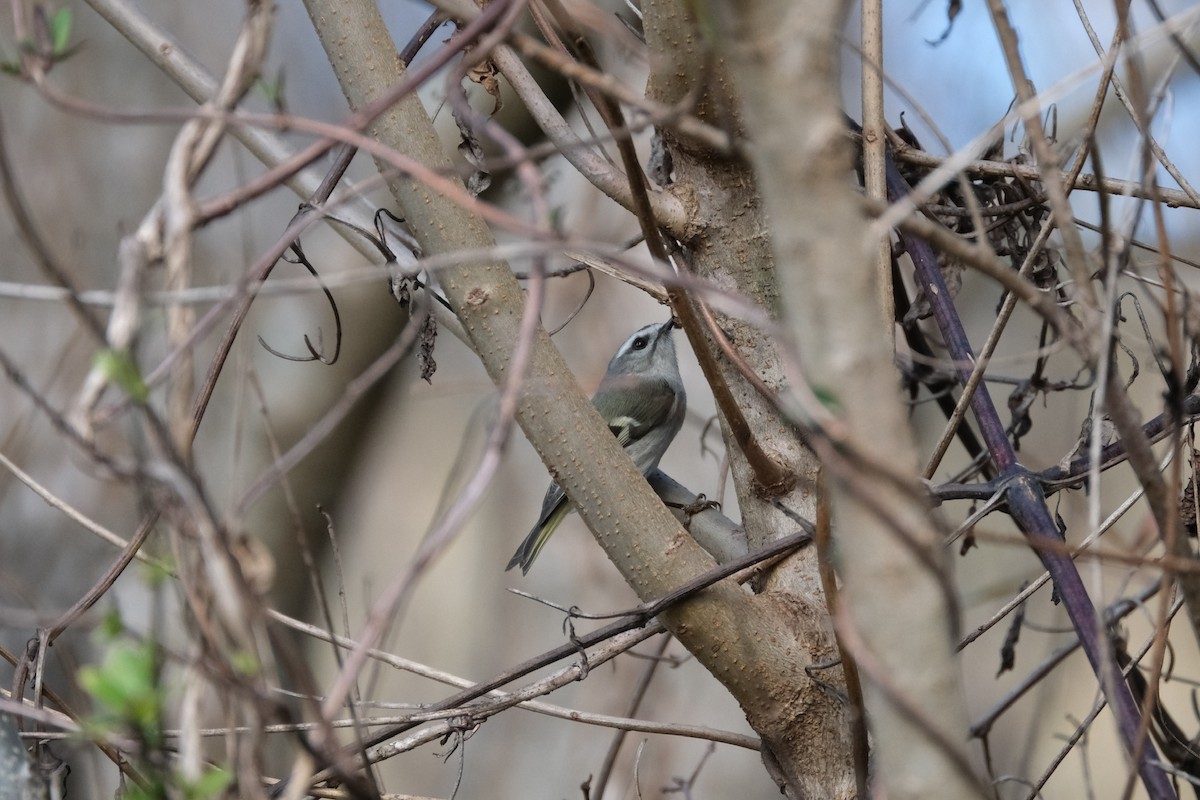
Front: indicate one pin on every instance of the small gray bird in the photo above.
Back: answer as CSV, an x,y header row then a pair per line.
x,y
642,400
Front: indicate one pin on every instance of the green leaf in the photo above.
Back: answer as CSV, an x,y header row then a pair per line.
x,y
245,662
125,686
60,30
157,572
121,370
214,781
828,398
155,790
273,91
111,626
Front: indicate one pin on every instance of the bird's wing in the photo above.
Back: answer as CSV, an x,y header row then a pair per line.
x,y
633,411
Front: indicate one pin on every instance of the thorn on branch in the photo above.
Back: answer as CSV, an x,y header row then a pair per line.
x,y
1008,650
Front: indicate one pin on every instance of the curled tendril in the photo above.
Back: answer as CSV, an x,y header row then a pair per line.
x,y
315,353
578,306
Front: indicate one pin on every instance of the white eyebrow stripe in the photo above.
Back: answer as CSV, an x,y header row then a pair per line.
x,y
645,330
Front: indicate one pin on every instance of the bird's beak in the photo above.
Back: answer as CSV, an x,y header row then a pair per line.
x,y
669,325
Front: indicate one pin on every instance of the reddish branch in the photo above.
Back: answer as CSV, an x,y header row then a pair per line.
x,y
1026,503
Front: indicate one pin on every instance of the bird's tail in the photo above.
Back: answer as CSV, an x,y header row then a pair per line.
x,y
538,537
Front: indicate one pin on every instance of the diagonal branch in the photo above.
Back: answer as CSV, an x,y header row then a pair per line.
x,y
717,625
1027,505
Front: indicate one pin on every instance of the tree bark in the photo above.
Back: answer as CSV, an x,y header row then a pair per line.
x,y
732,250
782,57
754,645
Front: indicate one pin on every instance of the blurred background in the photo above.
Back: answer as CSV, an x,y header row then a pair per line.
x,y
384,472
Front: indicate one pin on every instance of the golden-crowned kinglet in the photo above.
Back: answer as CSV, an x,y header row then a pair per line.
x,y
642,400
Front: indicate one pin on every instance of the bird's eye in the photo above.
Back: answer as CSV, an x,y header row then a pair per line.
x,y
640,343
